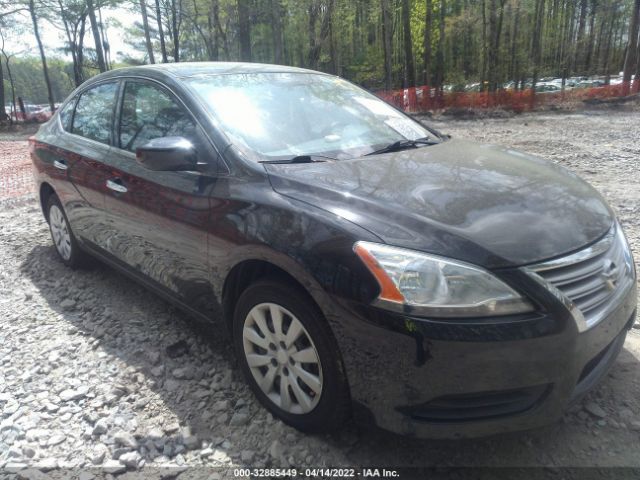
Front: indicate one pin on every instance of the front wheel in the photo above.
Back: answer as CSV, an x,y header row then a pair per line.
x,y
289,357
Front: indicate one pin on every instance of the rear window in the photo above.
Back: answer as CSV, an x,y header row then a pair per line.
x,y
94,113
66,114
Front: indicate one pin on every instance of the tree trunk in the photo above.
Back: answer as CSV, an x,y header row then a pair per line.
x,y
244,30
636,81
607,48
96,36
13,88
3,110
485,45
428,23
106,48
77,67
163,46
145,25
386,43
497,43
570,50
213,32
592,37
440,53
514,65
619,44
276,29
596,55
80,54
176,20
22,108
536,44
325,26
45,70
333,65
222,34
577,65
208,36
71,41
632,46
315,41
410,69
495,30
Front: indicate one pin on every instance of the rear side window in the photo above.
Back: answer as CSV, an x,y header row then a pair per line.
x,y
94,113
66,114
148,112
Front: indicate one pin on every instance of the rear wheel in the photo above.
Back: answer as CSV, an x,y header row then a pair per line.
x,y
63,239
289,357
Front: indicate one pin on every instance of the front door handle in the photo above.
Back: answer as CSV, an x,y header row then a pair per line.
x,y
116,186
60,165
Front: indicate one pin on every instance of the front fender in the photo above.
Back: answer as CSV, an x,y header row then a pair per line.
x,y
313,246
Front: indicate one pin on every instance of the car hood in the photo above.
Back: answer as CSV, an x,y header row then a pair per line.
x,y
485,204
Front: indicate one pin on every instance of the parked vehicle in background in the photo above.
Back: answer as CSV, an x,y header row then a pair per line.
x,y
362,263
473,87
34,113
618,80
568,83
547,88
590,83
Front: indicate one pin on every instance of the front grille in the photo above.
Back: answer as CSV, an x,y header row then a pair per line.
x,y
593,278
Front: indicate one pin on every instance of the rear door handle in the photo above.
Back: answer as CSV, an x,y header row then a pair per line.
x,y
60,165
116,186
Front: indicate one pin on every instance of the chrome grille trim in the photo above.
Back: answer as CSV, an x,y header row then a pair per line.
x,y
597,248
589,282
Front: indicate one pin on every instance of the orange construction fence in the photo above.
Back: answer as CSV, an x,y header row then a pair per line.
x,y
423,99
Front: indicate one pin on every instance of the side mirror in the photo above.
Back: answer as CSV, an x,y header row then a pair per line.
x,y
167,154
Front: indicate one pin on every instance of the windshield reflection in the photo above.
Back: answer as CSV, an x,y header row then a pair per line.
x,y
283,115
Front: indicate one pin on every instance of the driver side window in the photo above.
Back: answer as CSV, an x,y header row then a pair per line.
x,y
149,112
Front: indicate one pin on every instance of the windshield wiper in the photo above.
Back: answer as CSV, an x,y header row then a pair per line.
x,y
300,159
403,145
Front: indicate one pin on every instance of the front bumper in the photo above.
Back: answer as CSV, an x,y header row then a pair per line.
x,y
438,380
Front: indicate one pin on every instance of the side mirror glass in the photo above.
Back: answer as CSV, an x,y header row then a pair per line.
x,y
167,154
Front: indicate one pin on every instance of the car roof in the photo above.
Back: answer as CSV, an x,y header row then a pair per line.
x,y
191,69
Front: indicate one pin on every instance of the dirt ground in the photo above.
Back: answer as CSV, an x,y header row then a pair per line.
x,y
90,378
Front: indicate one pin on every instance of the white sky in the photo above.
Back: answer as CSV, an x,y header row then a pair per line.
x,y
54,38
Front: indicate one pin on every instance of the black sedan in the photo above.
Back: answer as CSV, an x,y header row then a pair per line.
x,y
363,264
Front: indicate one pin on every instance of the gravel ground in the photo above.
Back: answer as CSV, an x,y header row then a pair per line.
x,y
98,374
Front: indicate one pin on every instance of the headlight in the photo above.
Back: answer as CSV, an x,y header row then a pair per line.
x,y
626,250
437,286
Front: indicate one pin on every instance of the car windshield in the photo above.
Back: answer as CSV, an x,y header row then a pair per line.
x,y
284,115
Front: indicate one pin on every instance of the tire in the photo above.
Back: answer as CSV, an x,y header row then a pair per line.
x,y
63,238
306,409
